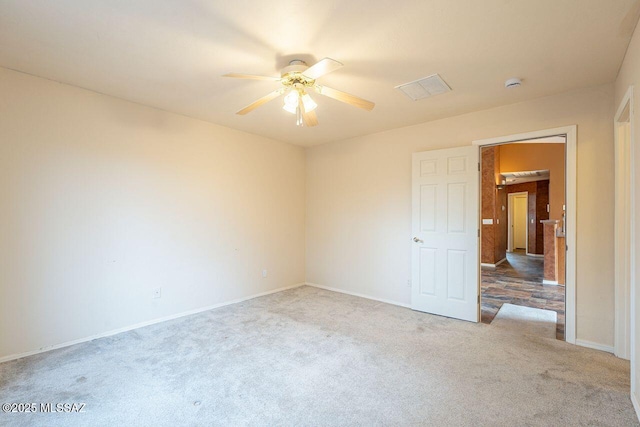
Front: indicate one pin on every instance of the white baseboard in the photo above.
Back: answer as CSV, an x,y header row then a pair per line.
x,y
143,324
485,264
595,346
636,404
535,255
355,294
549,282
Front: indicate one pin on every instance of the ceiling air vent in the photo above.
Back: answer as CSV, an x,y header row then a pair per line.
x,y
424,88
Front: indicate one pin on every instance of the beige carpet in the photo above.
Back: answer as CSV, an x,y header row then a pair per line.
x,y
309,357
518,319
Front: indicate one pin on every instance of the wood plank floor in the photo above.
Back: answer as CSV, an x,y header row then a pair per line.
x,y
518,281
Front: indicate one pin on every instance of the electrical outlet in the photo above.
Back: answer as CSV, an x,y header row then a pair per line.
x,y
157,293
408,283
264,273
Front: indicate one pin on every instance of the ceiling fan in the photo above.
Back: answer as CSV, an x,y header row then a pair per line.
x,y
297,80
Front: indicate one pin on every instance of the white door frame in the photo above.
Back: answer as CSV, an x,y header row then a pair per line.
x,y
624,229
510,237
570,132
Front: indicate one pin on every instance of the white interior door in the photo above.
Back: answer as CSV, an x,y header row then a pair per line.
x,y
445,261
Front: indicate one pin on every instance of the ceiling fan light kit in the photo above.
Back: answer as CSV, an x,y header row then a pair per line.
x,y
291,102
296,79
309,103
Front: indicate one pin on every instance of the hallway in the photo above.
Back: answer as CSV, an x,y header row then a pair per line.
x,y
518,281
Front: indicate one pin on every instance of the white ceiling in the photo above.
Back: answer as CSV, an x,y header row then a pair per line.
x,y
170,54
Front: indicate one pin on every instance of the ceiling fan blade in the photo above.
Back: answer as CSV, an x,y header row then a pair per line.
x,y
261,101
309,118
251,76
345,97
322,67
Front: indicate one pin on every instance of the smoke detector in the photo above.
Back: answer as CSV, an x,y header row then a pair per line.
x,y
512,82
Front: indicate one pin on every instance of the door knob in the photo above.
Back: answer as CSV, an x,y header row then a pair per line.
x,y
415,239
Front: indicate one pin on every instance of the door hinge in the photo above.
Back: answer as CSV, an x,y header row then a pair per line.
x,y
478,166
566,248
478,232
478,298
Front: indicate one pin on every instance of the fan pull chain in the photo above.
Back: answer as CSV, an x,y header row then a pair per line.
x,y
299,121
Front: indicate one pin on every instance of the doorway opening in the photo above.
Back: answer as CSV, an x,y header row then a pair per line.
x,y
523,245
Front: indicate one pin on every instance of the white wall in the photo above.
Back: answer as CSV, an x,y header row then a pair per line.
x,y
630,75
103,200
359,200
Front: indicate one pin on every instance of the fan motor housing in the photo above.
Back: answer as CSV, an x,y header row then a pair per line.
x,y
292,74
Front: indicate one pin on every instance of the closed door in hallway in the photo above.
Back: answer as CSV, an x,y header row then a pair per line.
x,y
520,222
